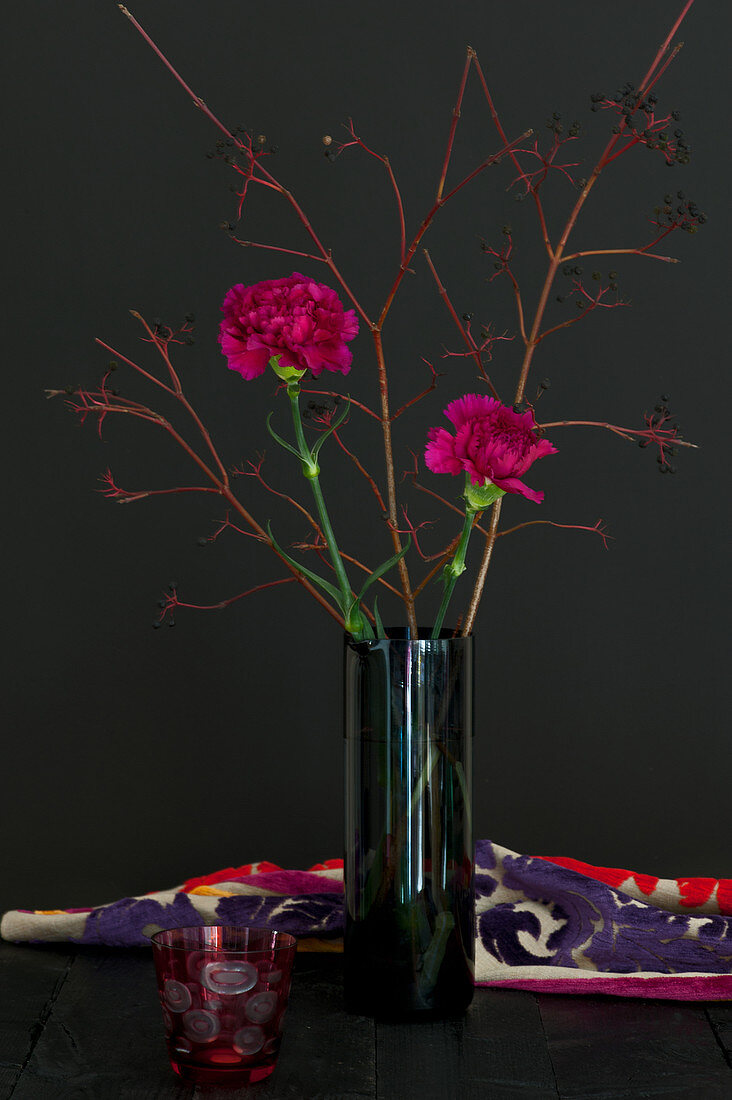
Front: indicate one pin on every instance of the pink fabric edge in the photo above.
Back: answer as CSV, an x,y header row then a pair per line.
x,y
674,988
281,882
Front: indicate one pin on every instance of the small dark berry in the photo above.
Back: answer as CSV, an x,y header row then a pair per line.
x,y
156,624
612,274
203,542
545,383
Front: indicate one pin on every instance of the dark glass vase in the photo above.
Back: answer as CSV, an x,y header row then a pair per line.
x,y
410,910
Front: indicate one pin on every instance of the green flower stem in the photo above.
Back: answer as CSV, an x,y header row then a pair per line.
x,y
477,499
454,568
356,624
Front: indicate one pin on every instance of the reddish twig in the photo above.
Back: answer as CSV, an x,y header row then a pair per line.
x,y
276,248
470,343
428,389
339,396
256,472
127,496
171,600
392,179
598,528
364,473
502,266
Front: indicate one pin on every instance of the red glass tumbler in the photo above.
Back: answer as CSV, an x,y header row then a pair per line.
x,y
223,991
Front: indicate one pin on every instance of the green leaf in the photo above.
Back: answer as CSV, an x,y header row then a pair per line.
x,y
282,442
380,572
380,632
325,585
333,425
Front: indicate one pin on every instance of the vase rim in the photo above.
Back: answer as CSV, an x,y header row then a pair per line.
x,y
401,634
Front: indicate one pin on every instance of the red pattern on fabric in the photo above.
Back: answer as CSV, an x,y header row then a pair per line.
x,y
695,891
611,876
230,874
724,897
329,865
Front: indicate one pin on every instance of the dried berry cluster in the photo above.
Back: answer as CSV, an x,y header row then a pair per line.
x,y
685,215
639,122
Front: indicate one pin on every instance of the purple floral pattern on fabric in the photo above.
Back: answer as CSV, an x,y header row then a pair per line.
x,y
121,923
540,925
590,925
126,923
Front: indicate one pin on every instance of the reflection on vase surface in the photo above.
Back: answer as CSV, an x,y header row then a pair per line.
x,y
409,940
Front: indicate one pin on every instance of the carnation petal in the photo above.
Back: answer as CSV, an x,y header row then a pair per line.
x,y
513,485
249,364
439,455
543,448
470,406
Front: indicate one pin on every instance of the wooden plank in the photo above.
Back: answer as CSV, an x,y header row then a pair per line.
x,y
614,1047
104,1038
327,1053
497,1049
30,980
719,1014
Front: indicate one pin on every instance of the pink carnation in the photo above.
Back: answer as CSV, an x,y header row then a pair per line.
x,y
296,318
491,442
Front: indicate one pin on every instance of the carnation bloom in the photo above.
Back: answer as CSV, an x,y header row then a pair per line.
x,y
492,443
301,321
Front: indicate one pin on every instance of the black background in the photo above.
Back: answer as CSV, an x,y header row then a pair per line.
x,y
134,758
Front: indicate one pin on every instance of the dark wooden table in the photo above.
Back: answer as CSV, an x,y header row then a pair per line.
x,y
85,1022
